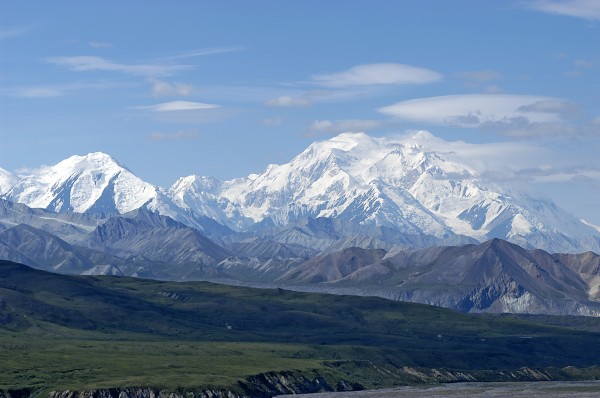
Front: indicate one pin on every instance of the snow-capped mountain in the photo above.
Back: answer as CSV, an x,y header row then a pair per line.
x,y
7,180
92,183
95,183
332,179
406,184
383,188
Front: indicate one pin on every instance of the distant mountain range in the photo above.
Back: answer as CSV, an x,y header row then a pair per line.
x,y
354,214
494,276
372,192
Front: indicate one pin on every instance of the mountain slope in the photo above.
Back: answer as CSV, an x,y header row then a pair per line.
x,y
140,243
494,276
414,185
94,183
97,184
45,251
7,180
184,251
68,226
380,192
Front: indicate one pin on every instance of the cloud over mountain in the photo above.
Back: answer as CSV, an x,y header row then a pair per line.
x,y
378,74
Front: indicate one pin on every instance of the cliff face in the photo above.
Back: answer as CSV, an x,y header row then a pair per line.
x,y
142,393
277,383
259,386
293,382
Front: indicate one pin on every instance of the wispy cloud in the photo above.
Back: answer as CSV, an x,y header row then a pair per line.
x,y
84,63
378,74
163,89
57,90
596,227
515,160
341,126
586,9
551,174
288,102
205,51
178,135
579,67
272,121
13,32
174,106
508,114
36,92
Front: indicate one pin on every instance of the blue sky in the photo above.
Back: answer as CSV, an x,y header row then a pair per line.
x,y
224,88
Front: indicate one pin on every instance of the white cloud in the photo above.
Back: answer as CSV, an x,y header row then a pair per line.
x,y
511,114
512,160
288,102
596,227
178,106
378,74
484,157
161,88
179,135
340,126
92,63
586,9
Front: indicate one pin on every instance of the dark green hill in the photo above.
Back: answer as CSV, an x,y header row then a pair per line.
x,y
74,332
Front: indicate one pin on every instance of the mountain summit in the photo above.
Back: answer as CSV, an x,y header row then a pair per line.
x,y
407,185
388,190
92,183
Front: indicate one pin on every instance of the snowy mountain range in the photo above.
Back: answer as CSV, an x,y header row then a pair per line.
x,y
367,191
406,218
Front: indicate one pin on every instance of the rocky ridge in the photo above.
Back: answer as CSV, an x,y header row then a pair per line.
x,y
417,190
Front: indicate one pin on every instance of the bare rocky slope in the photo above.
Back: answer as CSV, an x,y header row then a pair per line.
x,y
494,276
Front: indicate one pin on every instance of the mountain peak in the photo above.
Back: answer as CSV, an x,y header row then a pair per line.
x,y
423,135
411,185
95,182
348,140
93,160
350,135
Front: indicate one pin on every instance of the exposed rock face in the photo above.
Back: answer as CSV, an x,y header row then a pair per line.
x,y
277,383
142,393
494,276
262,385
292,382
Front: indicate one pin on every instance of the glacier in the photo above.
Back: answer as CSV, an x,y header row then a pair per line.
x,y
370,187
